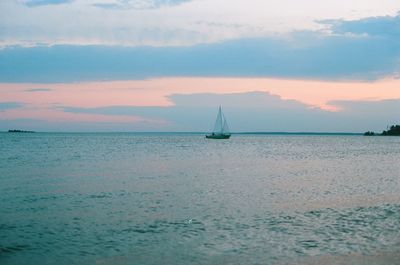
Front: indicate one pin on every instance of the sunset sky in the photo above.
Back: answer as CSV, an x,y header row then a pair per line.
x,y
166,65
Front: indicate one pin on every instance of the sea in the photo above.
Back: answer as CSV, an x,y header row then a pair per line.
x,y
176,198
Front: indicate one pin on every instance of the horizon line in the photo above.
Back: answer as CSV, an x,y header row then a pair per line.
x,y
205,132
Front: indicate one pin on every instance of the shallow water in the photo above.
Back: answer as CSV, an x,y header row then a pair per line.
x,y
181,199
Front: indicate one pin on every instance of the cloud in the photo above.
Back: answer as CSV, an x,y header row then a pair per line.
x,y
137,4
384,108
36,3
268,113
250,100
10,105
38,90
172,22
367,115
40,125
365,49
245,111
306,55
385,26
44,117
249,111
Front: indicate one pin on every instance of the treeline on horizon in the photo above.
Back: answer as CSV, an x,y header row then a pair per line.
x,y
394,130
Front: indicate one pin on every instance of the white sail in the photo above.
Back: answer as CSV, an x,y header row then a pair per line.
x,y
221,129
218,126
225,128
221,125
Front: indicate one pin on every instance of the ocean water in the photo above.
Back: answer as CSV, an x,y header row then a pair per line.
x,y
120,198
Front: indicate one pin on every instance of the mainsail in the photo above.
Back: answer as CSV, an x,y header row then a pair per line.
x,y
221,129
221,126
225,128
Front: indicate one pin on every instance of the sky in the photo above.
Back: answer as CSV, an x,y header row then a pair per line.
x,y
166,65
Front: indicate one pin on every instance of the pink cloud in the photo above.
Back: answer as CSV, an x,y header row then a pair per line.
x,y
55,115
42,104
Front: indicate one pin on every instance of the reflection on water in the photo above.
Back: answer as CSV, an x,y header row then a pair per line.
x,y
181,199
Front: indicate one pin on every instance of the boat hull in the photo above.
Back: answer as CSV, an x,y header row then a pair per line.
x,y
218,136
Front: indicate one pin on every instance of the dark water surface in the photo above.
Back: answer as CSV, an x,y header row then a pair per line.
x,y
182,199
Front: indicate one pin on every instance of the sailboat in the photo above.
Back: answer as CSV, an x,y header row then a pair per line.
x,y
221,129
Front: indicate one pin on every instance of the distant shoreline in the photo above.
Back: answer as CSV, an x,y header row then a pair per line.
x,y
195,133
394,130
19,131
299,133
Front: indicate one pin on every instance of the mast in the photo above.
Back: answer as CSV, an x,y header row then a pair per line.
x,y
222,118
